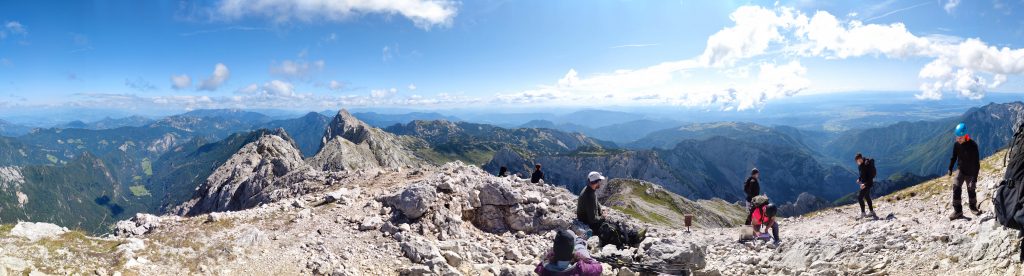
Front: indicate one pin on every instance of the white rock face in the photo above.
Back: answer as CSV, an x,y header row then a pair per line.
x,y
350,144
269,169
34,231
10,177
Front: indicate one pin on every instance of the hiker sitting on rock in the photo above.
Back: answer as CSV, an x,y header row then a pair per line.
x,y
764,215
588,211
568,256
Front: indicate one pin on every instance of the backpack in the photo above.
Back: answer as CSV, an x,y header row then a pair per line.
x,y
759,201
1009,197
872,172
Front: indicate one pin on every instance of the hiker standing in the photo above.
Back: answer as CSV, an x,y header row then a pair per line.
x,y
537,175
765,216
752,187
568,256
866,180
966,155
503,171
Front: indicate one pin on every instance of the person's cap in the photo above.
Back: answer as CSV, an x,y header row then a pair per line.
x,y
564,244
594,176
961,129
754,171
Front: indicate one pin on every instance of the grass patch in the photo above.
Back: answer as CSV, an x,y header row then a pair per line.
x,y
147,167
139,190
6,228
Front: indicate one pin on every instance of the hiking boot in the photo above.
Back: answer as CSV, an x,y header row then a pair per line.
x,y
956,215
975,211
872,215
862,216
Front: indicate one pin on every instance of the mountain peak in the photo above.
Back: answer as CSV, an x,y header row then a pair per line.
x,y
349,143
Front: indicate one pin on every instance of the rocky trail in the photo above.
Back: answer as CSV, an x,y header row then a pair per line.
x,y
913,236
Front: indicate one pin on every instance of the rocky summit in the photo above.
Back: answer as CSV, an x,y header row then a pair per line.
x,y
349,144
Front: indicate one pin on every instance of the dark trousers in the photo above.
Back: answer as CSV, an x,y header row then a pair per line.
x,y
750,212
865,196
958,183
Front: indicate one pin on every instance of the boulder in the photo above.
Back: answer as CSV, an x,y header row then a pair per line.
x,y
673,251
137,226
34,231
414,201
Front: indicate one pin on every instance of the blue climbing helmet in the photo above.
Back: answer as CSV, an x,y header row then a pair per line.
x,y
961,129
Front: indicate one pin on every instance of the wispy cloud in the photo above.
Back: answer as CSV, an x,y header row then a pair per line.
x,y
12,28
179,82
225,29
139,84
634,45
423,13
898,11
298,69
951,5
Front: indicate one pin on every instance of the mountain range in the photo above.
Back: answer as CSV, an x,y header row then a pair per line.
x,y
113,172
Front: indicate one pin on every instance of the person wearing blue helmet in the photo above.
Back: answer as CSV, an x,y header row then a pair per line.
x,y
967,157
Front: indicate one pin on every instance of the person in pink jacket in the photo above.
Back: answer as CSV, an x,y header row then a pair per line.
x,y
568,256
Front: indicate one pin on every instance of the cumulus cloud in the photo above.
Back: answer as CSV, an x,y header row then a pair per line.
x,y
220,75
300,69
759,38
412,87
179,82
423,13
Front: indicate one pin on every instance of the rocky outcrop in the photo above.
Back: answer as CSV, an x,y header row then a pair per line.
x,y
266,170
350,144
137,226
34,231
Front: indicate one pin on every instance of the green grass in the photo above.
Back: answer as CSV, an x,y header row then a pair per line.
x,y
648,217
147,166
139,190
6,228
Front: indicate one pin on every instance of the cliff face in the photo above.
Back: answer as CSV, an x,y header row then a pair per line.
x,y
350,144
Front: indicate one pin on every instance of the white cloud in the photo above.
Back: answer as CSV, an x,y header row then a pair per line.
x,y
220,75
412,87
965,68
300,69
12,28
179,82
951,5
423,13
248,89
279,88
383,93
336,85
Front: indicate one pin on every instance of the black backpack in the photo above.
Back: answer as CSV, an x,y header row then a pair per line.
x,y
872,172
1009,200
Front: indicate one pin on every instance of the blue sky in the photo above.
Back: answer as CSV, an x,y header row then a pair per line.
x,y
315,55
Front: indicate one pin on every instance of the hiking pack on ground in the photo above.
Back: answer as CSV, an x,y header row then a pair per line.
x,y
1010,196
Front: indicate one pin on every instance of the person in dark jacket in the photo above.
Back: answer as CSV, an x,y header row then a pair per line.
x,y
866,167
967,156
568,256
503,171
752,187
537,175
588,210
